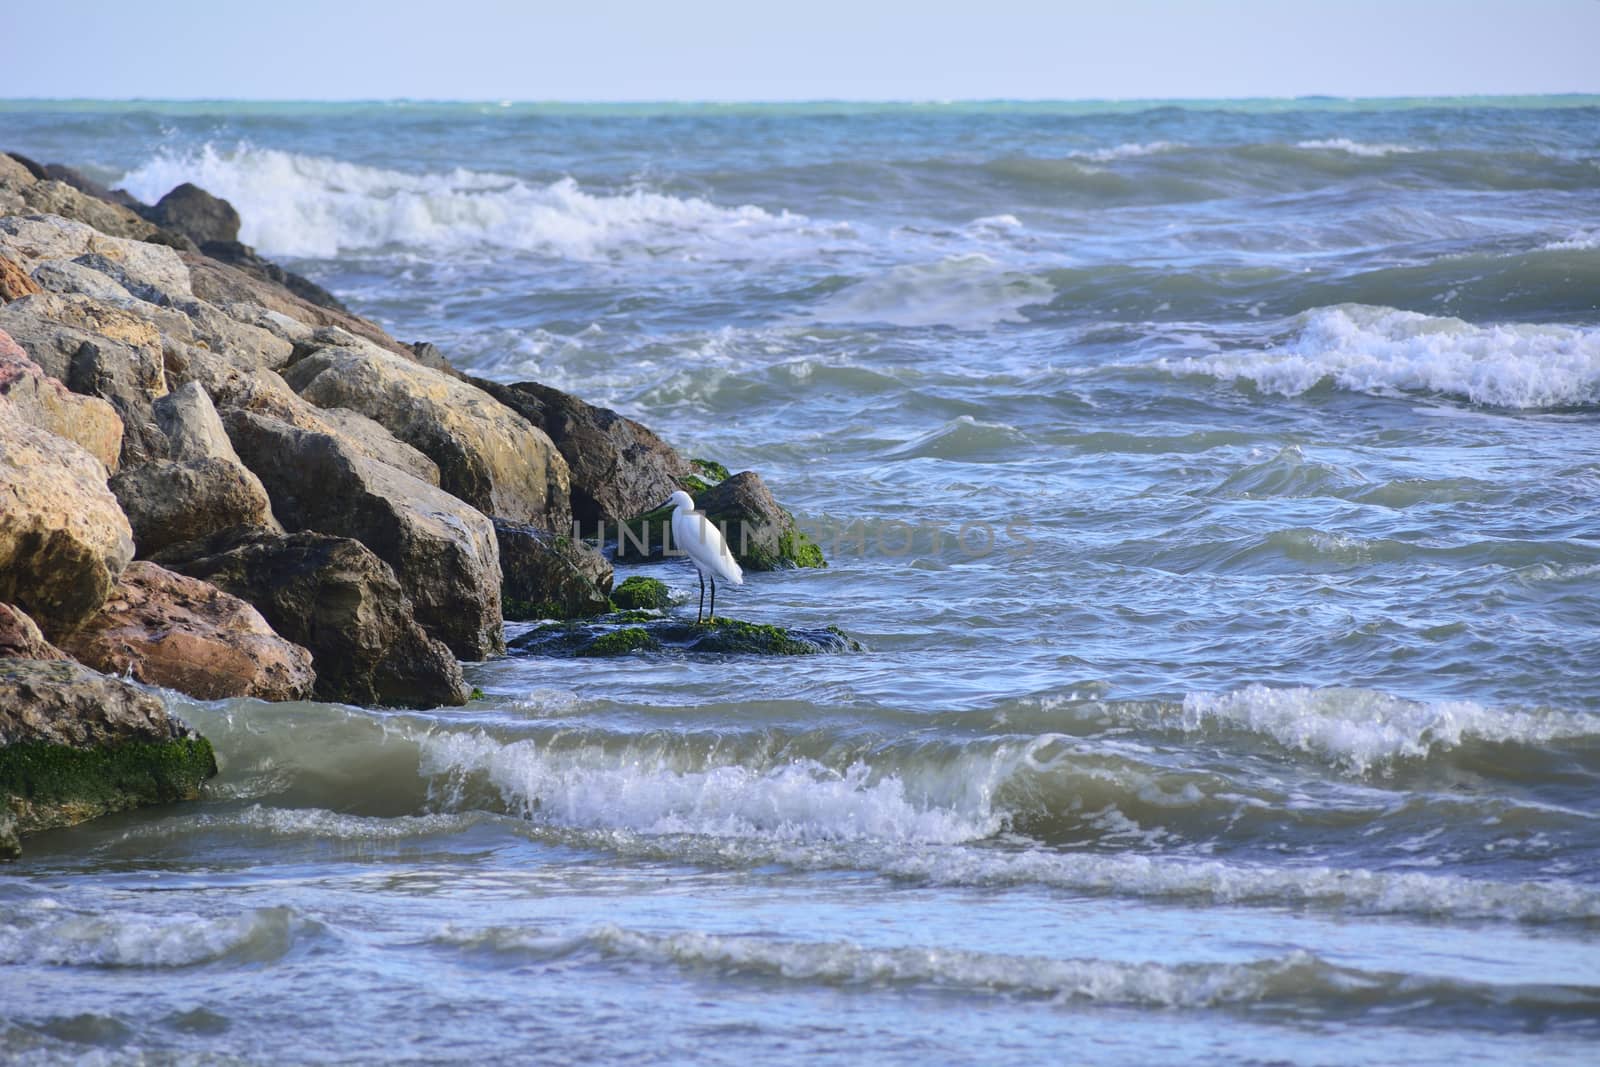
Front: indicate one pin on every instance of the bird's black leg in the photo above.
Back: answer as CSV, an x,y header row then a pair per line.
x,y
702,605
713,598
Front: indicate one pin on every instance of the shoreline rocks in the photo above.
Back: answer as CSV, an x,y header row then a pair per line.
x,y
316,508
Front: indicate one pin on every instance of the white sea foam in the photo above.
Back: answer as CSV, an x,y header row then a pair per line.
x,y
1130,151
647,789
1383,351
969,292
1362,728
301,205
179,940
1577,241
1357,148
845,963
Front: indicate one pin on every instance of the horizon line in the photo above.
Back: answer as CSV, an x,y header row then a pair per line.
x,y
731,101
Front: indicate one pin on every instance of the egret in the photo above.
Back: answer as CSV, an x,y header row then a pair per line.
x,y
698,538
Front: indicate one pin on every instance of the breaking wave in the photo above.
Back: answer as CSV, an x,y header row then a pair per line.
x,y
1383,351
300,205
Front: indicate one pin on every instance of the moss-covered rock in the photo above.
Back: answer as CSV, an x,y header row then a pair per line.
x,y
640,593
625,632
549,576
75,744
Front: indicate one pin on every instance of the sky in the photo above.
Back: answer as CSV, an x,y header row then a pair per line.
x,y
656,50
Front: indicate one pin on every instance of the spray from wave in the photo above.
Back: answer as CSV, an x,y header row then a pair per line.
x,y
313,206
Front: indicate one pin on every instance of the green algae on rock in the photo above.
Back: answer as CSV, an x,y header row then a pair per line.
x,y
75,744
640,593
632,631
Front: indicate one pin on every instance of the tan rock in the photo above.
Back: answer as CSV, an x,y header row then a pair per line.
x,y
59,198
488,455
42,401
14,281
63,539
151,272
181,633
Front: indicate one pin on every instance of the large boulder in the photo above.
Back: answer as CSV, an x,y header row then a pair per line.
x,y
550,576
196,214
20,637
63,539
97,350
36,398
75,744
334,597
488,455
202,489
242,343
442,550
53,197
181,633
619,468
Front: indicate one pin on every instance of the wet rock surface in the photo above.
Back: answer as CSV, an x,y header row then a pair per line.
x,y
626,632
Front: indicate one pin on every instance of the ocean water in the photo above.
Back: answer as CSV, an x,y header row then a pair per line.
x,y
1215,490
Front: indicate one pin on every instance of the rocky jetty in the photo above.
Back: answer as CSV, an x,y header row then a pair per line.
x,y
217,479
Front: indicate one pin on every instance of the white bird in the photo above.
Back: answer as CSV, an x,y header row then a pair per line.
x,y
698,537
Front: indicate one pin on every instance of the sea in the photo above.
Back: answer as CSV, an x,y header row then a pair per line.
x,y
1213,488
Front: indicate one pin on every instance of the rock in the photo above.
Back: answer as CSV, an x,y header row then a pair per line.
x,y
69,276
170,502
87,185
14,281
151,272
626,632
443,551
373,440
42,401
224,285
336,598
488,455
549,576
53,197
202,489
619,468
15,166
427,353
75,744
244,258
196,214
760,533
642,594
63,539
20,637
243,344
97,350
192,426
181,633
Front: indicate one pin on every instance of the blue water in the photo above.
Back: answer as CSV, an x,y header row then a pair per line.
x,y
1213,487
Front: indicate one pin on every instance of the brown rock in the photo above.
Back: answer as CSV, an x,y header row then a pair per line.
x,y
20,637
181,633
332,595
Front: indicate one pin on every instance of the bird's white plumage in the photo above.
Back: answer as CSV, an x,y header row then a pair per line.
x,y
697,537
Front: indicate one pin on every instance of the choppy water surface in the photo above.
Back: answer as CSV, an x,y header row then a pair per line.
x,y
1216,490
